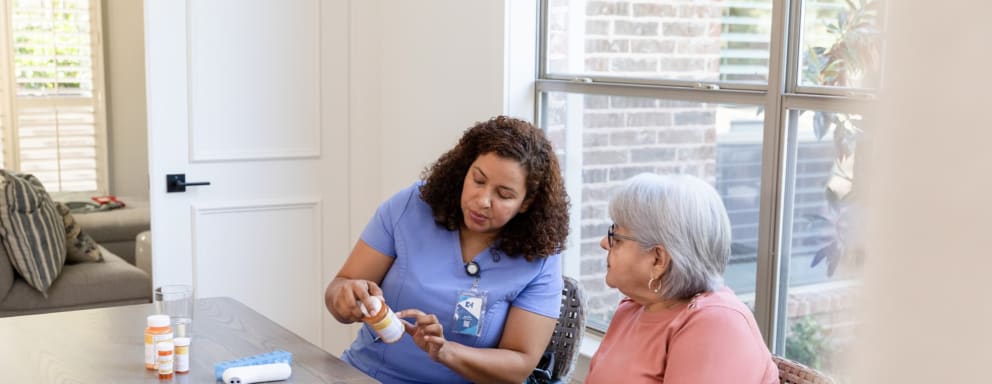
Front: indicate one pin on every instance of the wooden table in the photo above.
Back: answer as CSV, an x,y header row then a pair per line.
x,y
106,345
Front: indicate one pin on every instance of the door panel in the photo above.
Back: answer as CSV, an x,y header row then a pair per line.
x,y
279,238
254,70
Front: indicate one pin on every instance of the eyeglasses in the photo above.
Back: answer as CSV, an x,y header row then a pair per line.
x,y
612,234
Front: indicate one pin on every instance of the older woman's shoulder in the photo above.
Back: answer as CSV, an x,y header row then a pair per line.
x,y
717,304
627,304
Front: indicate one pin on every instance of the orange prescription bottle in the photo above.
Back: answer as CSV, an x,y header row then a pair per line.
x,y
182,355
383,320
165,360
158,330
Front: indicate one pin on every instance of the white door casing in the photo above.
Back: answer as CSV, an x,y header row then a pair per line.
x,y
237,97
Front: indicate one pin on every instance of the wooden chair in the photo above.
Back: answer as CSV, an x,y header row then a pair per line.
x,y
791,372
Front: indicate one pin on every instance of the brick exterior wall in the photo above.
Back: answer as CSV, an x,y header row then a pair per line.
x,y
680,40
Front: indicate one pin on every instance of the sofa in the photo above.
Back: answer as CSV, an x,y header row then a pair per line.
x,y
114,281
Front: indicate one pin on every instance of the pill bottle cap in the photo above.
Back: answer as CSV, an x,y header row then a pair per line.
x,y
158,321
376,305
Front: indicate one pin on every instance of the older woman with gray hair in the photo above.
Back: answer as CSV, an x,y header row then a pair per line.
x,y
679,323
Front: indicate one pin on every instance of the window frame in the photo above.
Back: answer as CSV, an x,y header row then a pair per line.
x,y
778,96
6,93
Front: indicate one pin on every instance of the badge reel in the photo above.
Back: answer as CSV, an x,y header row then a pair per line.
x,y
470,308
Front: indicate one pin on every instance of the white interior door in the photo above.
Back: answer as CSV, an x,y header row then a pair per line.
x,y
235,99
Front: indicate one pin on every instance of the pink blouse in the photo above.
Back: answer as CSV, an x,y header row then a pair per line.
x,y
713,339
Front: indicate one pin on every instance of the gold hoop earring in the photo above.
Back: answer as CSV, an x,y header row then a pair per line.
x,y
651,285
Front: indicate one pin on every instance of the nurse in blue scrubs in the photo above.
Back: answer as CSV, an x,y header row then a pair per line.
x,y
469,256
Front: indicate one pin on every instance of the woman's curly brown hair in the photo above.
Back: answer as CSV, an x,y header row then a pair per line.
x,y
538,232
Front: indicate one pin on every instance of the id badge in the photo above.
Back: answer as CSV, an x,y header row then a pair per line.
x,y
469,312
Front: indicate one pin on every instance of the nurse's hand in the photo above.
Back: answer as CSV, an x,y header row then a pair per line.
x,y
427,332
347,293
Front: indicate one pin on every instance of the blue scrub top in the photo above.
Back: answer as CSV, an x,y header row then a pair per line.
x,y
427,274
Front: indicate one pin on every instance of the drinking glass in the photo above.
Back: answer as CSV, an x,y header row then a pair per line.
x,y
177,302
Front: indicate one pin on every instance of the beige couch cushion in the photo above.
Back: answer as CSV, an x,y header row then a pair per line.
x,y
116,225
116,229
84,285
32,230
6,274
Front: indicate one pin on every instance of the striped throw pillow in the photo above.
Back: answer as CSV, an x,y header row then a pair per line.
x,y
80,247
31,230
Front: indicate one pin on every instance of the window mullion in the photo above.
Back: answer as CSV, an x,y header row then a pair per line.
x,y
542,43
768,292
620,80
793,38
654,91
826,103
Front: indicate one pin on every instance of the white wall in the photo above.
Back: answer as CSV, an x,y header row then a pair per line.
x,y
124,61
928,310
438,68
420,73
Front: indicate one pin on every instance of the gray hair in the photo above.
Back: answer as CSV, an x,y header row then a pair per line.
x,y
686,216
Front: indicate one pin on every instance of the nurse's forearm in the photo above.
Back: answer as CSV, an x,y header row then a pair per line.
x,y
486,365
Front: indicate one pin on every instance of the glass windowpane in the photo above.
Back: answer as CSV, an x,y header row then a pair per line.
x,y
618,137
841,43
824,249
706,40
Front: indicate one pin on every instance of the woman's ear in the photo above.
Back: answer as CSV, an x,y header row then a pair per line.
x,y
525,205
662,260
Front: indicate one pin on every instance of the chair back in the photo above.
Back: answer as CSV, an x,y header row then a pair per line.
x,y
791,372
565,341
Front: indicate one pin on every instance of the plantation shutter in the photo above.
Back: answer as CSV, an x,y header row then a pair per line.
x,y
58,122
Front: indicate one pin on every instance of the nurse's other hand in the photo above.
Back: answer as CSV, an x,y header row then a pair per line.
x,y
427,332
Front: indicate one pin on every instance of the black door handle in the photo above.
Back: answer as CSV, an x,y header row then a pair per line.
x,y
177,183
